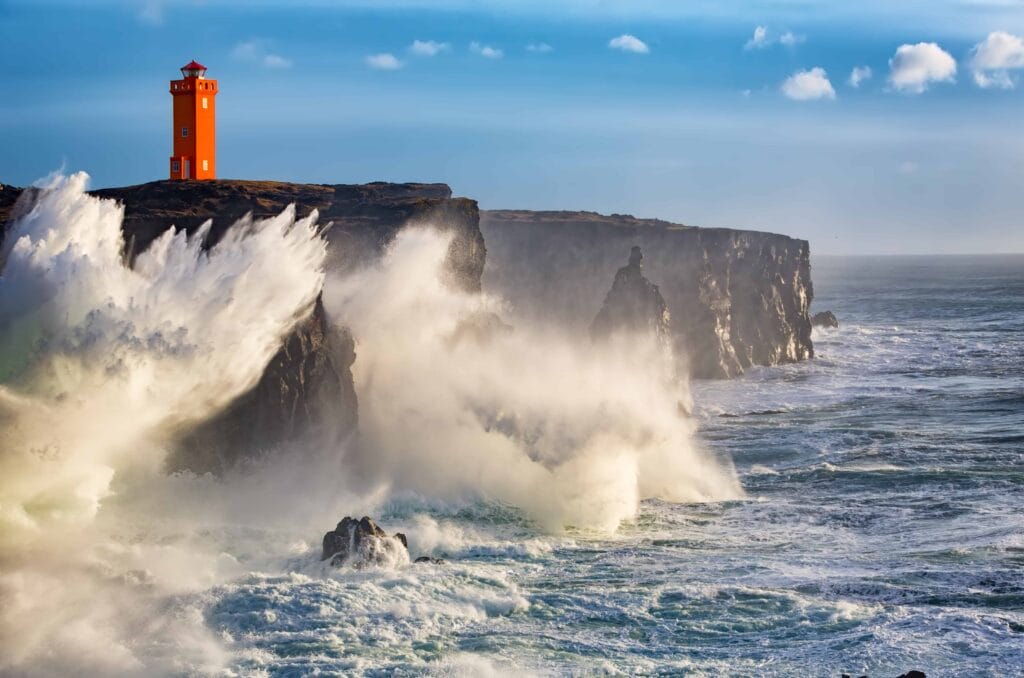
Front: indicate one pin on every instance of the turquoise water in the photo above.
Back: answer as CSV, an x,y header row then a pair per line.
x,y
882,529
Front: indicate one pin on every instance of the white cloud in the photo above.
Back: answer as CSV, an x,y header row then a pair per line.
x,y
428,48
383,62
539,47
790,39
914,67
763,39
760,39
486,51
808,85
995,57
629,43
858,75
257,51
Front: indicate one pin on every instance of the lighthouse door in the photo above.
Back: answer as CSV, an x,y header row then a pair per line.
x,y
188,169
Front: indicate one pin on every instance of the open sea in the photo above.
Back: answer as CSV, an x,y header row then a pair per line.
x,y
882,531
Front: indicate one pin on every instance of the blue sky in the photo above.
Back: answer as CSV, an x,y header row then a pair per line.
x,y
688,118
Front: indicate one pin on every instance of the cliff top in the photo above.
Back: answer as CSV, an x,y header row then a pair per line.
x,y
230,198
584,219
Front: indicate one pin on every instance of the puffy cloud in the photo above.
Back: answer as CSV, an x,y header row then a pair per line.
x,y
486,51
995,57
539,48
383,62
428,48
629,43
858,75
257,51
760,39
914,67
808,85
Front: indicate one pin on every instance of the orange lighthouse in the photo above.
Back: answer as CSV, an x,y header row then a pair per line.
x,y
195,124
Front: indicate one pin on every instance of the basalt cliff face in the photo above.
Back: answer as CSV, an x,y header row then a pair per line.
x,y
736,298
307,387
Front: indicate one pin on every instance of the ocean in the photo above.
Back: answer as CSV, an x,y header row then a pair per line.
x,y
881,529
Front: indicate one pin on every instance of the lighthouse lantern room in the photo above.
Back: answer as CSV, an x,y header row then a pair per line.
x,y
194,128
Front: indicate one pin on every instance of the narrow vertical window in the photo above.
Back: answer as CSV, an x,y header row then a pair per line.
x,y
204,103
184,132
206,166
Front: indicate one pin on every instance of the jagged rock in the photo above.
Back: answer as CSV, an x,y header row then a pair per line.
x,y
362,542
633,304
913,674
427,560
306,389
737,298
824,319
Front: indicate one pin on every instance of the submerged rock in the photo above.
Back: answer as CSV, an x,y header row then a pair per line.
x,y
362,542
633,304
824,319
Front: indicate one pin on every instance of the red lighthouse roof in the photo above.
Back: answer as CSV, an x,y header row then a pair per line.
x,y
193,69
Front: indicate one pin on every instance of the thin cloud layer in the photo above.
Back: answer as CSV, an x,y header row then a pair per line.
x,y
257,51
539,48
383,62
808,85
995,57
486,51
914,67
629,43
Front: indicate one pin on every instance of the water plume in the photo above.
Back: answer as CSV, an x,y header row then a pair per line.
x,y
98,362
455,405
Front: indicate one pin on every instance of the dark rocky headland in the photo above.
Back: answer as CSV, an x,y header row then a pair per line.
x,y
736,298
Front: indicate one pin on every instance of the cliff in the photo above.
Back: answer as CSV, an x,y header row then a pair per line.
x,y
736,298
307,386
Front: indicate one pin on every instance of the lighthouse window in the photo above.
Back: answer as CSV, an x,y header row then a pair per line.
x,y
175,166
206,166
204,102
184,132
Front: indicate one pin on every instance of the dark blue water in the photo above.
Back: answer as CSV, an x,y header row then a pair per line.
x,y
883,528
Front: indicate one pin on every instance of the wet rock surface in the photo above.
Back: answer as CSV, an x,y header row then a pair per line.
x,y
824,319
361,543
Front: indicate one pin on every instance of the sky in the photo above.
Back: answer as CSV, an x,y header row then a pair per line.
x,y
867,128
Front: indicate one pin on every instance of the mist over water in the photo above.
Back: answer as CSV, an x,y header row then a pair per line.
x,y
454,404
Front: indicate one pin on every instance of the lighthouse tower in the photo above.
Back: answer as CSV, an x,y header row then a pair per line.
x,y
195,126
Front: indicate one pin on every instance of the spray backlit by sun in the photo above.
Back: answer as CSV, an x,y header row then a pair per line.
x,y
97,355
